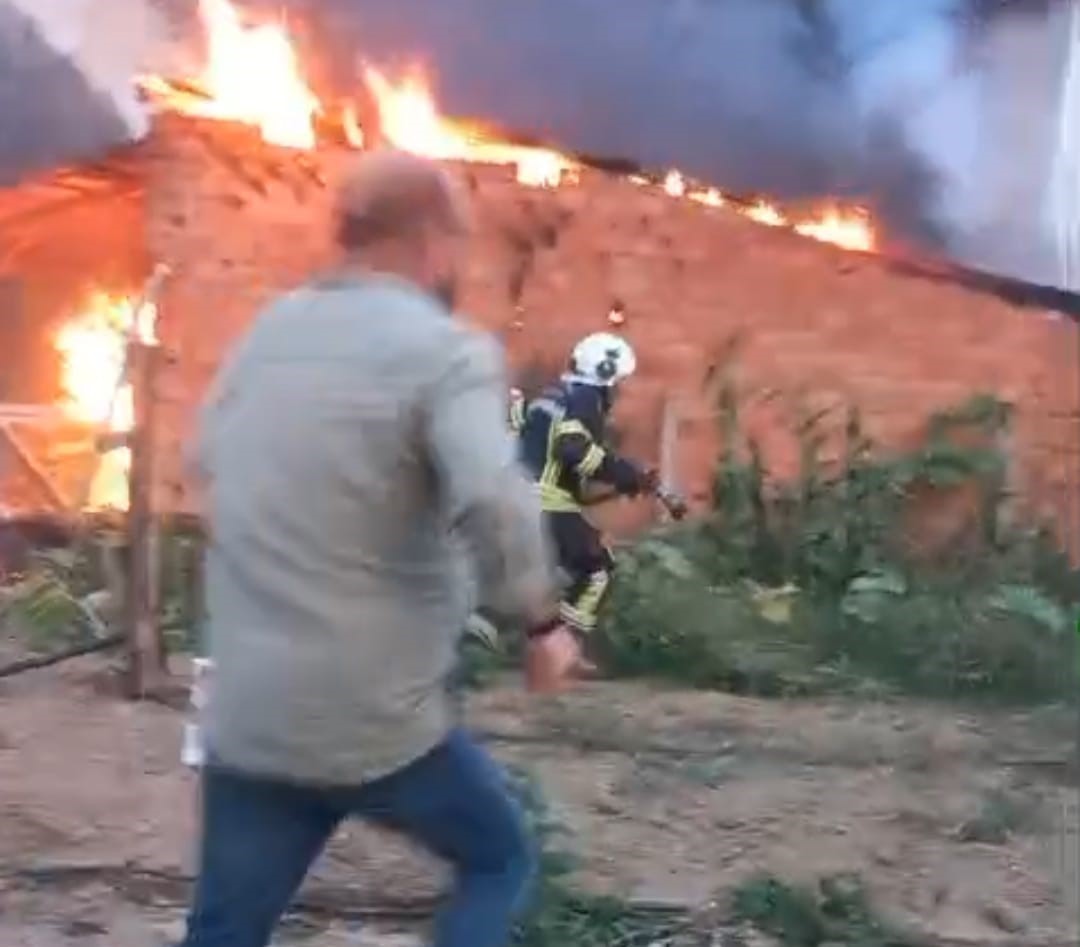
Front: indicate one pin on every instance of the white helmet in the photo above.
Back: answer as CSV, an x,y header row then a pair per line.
x,y
602,360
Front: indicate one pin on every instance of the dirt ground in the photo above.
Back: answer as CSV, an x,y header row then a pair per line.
x,y
963,823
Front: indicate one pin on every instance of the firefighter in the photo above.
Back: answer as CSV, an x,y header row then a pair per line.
x,y
563,448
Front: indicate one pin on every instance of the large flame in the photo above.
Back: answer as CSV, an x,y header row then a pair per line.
x,y
253,75
92,346
410,121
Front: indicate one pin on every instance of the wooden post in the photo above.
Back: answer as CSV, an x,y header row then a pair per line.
x,y
669,433
147,672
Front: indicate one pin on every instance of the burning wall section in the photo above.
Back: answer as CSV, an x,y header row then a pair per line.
x,y
819,326
71,248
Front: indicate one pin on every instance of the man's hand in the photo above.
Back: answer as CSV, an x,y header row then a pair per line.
x,y
553,660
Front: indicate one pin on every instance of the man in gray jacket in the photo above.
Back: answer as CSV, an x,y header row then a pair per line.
x,y
354,443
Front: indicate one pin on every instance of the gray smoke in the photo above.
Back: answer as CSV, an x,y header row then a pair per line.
x,y
66,79
48,112
1062,199
939,113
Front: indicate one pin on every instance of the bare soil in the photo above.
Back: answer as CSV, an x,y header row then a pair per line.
x,y
963,823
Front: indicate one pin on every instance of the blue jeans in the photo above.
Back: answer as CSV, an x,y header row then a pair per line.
x,y
259,838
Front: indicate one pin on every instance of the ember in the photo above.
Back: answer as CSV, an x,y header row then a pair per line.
x,y
252,75
92,349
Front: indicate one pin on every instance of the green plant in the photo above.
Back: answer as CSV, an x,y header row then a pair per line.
x,y
816,583
180,572
664,619
1001,814
561,916
841,518
838,912
48,606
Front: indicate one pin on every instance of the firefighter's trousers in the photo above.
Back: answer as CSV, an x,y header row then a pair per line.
x,y
588,565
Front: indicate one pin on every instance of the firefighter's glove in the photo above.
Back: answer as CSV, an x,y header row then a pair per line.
x,y
627,478
650,480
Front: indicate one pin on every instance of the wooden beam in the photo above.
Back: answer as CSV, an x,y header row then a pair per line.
x,y
39,474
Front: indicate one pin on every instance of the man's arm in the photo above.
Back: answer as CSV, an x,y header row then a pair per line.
x,y
492,505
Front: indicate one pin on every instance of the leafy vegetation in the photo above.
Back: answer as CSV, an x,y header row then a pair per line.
x,y
826,583
53,603
70,596
838,912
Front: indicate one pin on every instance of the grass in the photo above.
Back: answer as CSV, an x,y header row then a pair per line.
x,y
562,916
1002,813
837,912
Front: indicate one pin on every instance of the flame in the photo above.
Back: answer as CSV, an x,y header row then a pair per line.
x,y
92,346
851,230
767,214
710,197
674,184
350,125
410,121
252,75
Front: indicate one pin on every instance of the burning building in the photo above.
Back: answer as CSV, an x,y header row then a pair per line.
x,y
227,189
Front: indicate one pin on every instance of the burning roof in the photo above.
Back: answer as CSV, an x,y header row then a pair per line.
x,y
252,74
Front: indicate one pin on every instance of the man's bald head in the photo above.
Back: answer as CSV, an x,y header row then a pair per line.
x,y
393,196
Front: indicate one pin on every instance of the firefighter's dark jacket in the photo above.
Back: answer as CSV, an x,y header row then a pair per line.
x,y
562,447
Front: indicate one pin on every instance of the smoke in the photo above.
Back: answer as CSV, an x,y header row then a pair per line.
x,y
1063,195
942,115
939,113
60,118
66,69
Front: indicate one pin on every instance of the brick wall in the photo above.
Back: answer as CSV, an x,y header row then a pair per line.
x,y
818,326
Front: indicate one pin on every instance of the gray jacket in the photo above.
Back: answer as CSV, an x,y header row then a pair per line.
x,y
354,446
